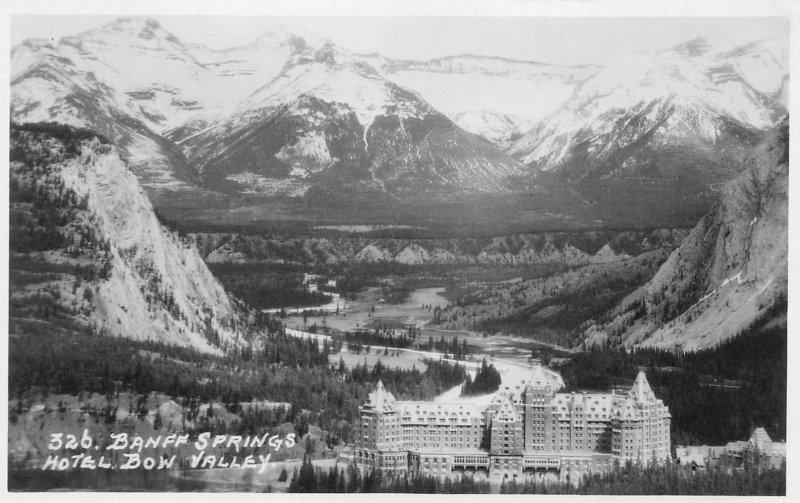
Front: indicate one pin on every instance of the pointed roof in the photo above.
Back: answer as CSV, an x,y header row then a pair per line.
x,y
538,378
760,438
541,377
627,408
641,390
507,411
380,398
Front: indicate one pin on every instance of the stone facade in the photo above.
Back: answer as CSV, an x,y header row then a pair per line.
x,y
531,428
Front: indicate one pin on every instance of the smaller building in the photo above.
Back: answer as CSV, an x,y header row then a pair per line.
x,y
699,457
759,449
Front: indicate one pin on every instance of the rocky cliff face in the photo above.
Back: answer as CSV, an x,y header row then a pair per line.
x,y
87,248
728,271
578,248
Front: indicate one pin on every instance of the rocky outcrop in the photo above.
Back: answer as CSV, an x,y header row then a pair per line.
x,y
577,248
123,274
729,270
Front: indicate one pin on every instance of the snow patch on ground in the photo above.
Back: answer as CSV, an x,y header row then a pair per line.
x,y
737,277
310,150
256,184
362,228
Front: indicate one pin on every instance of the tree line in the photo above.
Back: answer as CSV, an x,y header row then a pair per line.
x,y
628,479
286,369
487,380
703,412
310,479
668,479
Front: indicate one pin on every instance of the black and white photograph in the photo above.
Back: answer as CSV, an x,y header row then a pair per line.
x,y
515,247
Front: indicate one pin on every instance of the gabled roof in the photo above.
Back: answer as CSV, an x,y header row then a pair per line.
x,y
542,377
538,379
627,409
736,446
689,455
507,411
426,412
760,438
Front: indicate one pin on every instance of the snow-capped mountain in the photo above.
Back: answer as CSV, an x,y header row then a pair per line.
x,y
728,272
288,112
651,137
657,97
241,71
666,126
129,80
328,116
497,98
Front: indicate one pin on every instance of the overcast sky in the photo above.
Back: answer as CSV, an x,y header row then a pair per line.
x,y
560,40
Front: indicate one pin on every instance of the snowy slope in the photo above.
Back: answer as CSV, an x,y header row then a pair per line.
x,y
244,69
690,89
326,74
141,69
495,126
331,115
652,137
129,81
475,91
140,86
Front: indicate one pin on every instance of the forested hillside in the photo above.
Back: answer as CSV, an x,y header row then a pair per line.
x,y
715,395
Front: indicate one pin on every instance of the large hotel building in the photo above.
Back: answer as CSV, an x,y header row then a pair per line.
x,y
531,428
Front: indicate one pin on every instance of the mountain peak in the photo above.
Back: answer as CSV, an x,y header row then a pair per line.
x,y
298,38
134,27
279,33
641,390
133,24
326,54
693,48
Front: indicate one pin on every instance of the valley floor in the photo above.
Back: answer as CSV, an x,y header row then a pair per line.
x,y
502,351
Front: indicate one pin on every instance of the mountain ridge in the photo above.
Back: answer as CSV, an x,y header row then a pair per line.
x,y
181,102
305,124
